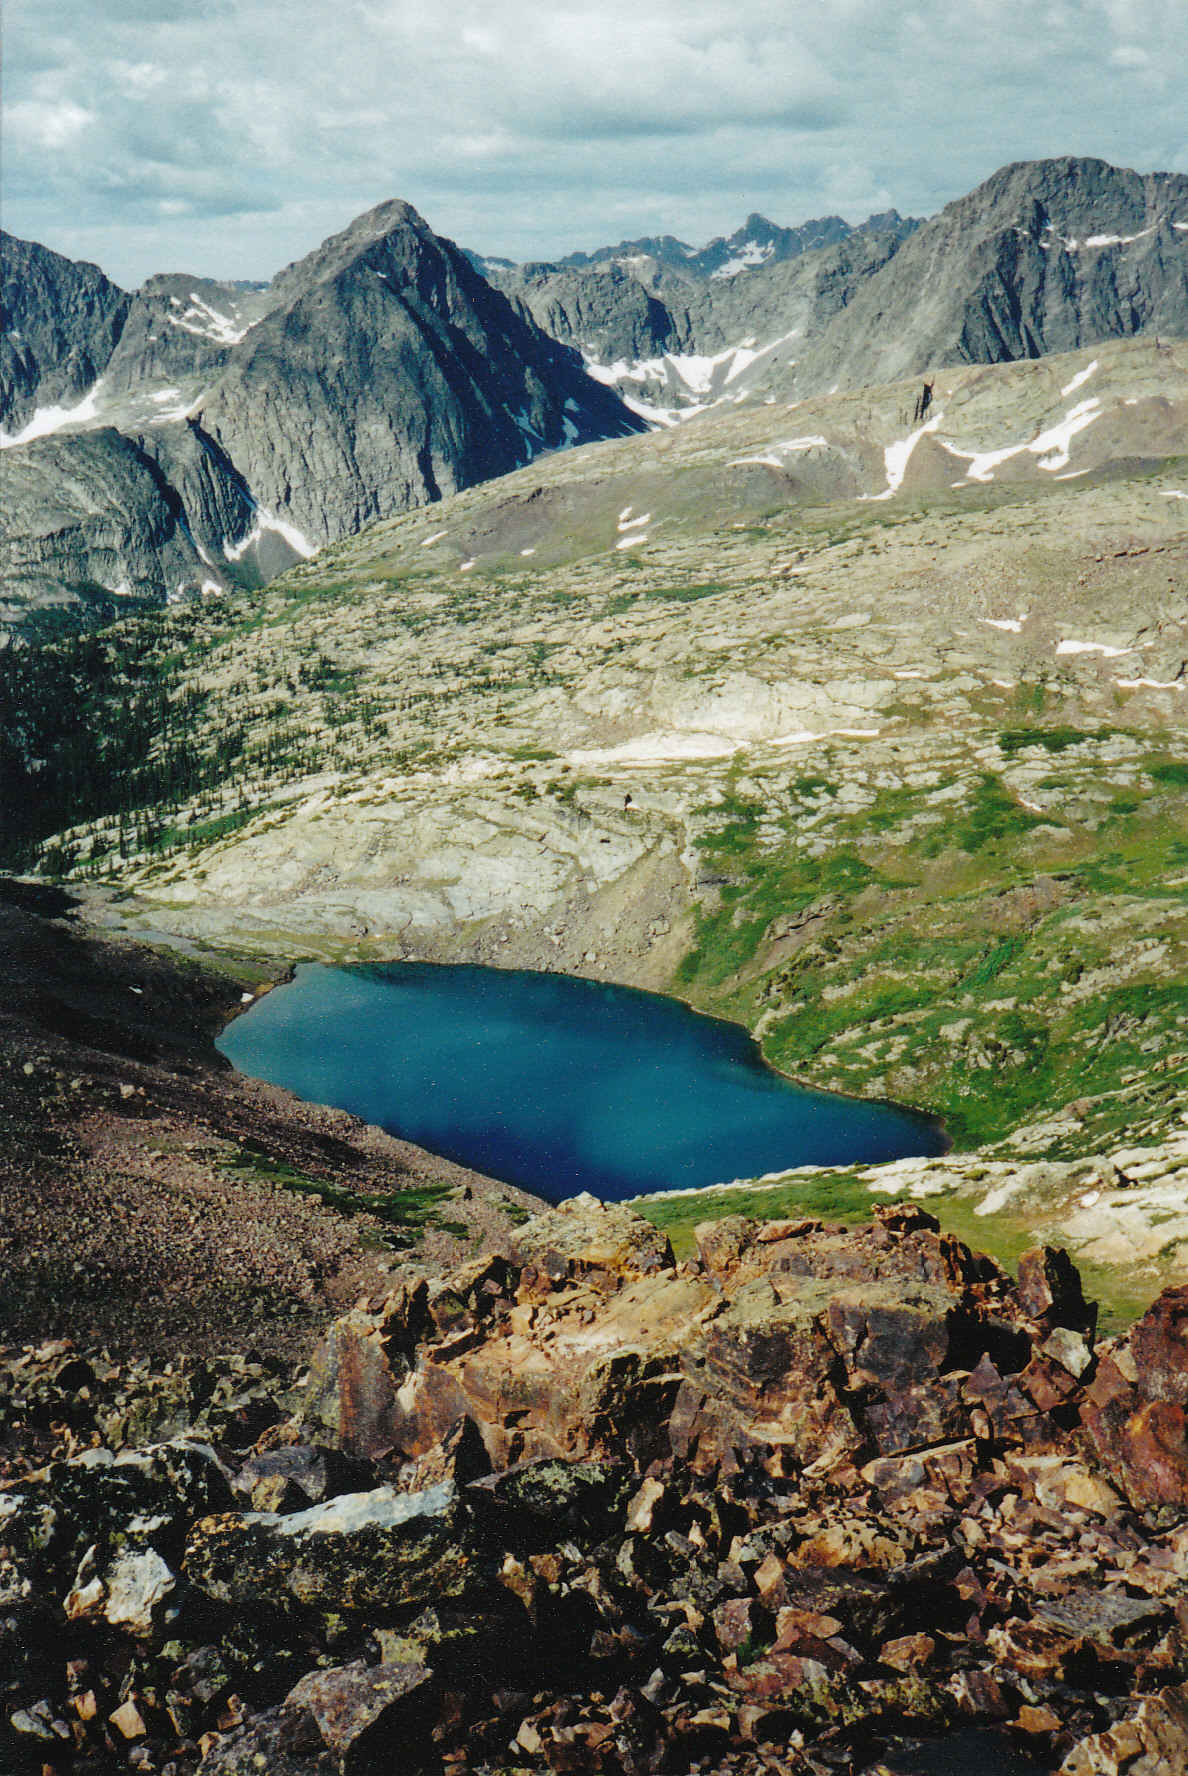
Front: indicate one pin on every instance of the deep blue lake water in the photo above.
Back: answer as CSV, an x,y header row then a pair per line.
x,y
555,1084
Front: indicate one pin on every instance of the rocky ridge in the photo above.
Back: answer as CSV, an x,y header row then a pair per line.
x,y
383,371
62,322
757,242
806,1502
1042,257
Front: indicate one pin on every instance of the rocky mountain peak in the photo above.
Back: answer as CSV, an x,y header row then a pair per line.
x,y
381,223
1078,197
62,319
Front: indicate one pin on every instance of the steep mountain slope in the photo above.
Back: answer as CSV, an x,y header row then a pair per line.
x,y
61,322
388,373
675,345
180,327
1044,257
231,430
97,523
382,371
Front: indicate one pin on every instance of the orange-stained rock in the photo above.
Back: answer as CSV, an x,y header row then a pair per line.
x,y
1153,1741
794,1346
1159,1346
1139,1430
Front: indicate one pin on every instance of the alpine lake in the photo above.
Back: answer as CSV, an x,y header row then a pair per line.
x,y
556,1084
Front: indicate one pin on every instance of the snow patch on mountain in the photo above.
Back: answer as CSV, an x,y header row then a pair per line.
x,y
52,419
776,452
204,321
696,380
1082,376
750,254
1051,447
296,539
897,456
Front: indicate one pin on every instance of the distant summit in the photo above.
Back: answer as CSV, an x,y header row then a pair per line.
x,y
757,242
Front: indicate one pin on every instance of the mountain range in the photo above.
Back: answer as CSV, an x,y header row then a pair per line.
x,y
198,435
230,432
758,242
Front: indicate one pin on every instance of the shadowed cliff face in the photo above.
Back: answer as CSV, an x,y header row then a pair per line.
x,y
62,321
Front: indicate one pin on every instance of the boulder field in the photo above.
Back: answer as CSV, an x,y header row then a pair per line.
x,y
810,1501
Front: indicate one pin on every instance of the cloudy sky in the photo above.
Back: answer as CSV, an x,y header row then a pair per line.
x,y
229,136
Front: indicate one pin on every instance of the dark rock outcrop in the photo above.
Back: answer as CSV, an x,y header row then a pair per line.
x,y
62,319
1136,1410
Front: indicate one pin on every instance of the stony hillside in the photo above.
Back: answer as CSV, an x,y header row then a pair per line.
x,y
870,737
805,1504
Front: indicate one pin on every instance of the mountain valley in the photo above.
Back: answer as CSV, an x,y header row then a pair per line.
x,y
797,625
869,736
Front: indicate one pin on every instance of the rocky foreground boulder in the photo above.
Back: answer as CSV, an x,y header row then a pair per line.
x,y
803,1503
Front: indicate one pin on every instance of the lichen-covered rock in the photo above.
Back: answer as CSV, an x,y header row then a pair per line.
x,y
372,1553
134,1591
563,1497
142,1498
279,1741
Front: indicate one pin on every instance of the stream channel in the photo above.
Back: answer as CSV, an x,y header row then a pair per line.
x,y
555,1084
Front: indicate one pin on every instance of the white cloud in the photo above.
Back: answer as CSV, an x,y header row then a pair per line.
x,y
47,127
138,77
231,136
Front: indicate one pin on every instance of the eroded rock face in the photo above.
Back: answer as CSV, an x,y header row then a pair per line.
x,y
804,1343
1136,1410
